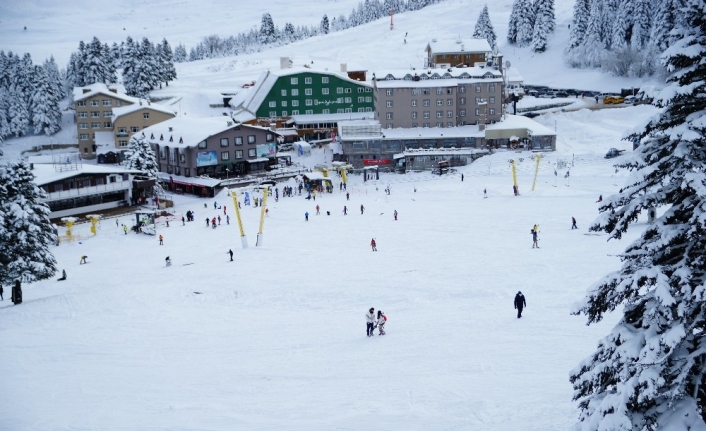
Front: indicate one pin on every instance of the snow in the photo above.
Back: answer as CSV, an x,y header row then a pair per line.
x,y
124,110
459,45
275,339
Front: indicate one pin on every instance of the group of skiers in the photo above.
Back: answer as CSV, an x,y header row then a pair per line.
x,y
372,322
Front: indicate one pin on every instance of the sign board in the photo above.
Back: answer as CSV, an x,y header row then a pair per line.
x,y
206,158
376,162
266,150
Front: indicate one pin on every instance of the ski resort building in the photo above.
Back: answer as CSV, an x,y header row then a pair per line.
x,y
457,53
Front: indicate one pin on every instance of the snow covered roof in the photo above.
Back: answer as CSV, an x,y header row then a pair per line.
x,y
257,94
440,73
242,116
330,118
46,173
187,131
513,75
437,152
258,160
188,181
459,46
129,109
521,122
315,176
433,133
105,142
87,91
436,82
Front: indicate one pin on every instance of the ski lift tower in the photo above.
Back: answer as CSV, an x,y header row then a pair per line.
x,y
392,23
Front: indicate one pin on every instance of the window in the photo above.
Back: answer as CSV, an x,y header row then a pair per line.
x,y
308,102
426,115
122,130
427,91
295,112
251,139
339,90
81,103
295,92
270,137
251,152
294,81
478,88
462,101
325,111
95,114
324,91
202,144
368,90
491,88
108,114
106,103
95,125
107,124
414,102
348,110
449,114
491,111
415,125
224,142
361,100
83,136
477,112
118,103
416,92
284,93
83,115
462,113
449,124
439,124
478,100
187,172
492,100
426,102
182,158
389,103
309,112
449,91
273,113
425,125
440,102
238,154
439,114
284,103
324,79
439,90
307,91
94,103
83,125
360,89
273,104
122,143
389,115
238,140
339,111
388,126
307,80
284,113
462,89
368,99
348,90
389,92
295,103
348,100
414,115
450,102
225,155
134,129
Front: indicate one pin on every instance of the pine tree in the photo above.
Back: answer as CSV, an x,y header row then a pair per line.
x,y
166,63
484,28
46,115
110,65
17,113
642,24
54,76
26,233
579,24
130,56
649,372
267,29
513,22
525,26
667,17
140,156
543,24
324,25
180,55
622,26
4,123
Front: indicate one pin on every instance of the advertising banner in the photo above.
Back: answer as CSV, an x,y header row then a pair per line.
x,y
266,150
368,162
206,158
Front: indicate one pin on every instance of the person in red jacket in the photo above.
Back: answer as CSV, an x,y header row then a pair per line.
x,y
373,244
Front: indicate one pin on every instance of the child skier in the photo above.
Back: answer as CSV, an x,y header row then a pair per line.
x,y
381,322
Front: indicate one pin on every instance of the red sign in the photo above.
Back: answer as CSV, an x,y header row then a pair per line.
x,y
376,161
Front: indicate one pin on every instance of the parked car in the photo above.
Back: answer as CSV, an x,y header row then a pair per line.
x,y
531,114
547,95
561,94
613,100
613,152
533,93
630,100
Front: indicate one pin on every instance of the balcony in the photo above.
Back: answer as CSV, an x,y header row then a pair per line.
x,y
87,191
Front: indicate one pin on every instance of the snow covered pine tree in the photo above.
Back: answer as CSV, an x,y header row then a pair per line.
x,y
26,233
649,373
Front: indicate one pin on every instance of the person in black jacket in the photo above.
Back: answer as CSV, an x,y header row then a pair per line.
x,y
520,303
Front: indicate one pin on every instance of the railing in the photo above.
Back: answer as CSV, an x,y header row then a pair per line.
x,y
82,191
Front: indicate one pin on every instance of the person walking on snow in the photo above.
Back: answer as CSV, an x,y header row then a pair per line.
x,y
183,221
224,210
219,220
83,260
208,222
161,240
348,196
381,322
230,252
520,303
373,244
395,214
1,292
345,210
461,177
125,229
362,209
573,223
306,216
534,237
485,194
227,219
317,210
370,322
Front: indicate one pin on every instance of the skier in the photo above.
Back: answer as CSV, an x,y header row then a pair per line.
x,y
215,205
183,221
161,240
208,222
395,214
520,303
348,196
381,322
534,237
345,210
219,220
267,212
224,210
1,292
168,261
373,244
370,322
600,198
573,223
227,219
485,194
362,209
125,229
317,210
230,252
306,216
461,177
83,260
167,223
63,275
213,223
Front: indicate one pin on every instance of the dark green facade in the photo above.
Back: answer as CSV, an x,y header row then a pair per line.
x,y
308,93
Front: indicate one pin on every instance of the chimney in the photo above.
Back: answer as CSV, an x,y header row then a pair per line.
x,y
284,63
86,90
344,67
114,90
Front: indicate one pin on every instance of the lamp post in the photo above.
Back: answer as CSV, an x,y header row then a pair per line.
x,y
351,113
227,172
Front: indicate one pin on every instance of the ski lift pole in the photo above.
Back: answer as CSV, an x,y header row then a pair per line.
x,y
536,171
514,173
243,238
263,204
